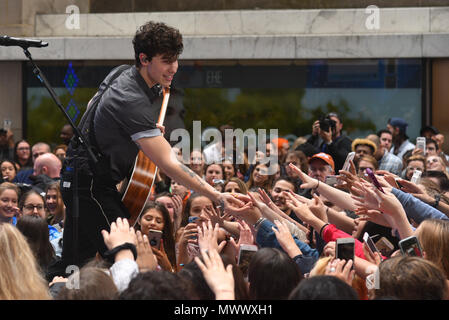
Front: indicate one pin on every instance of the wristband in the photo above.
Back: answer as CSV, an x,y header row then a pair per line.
x,y
110,254
321,230
437,201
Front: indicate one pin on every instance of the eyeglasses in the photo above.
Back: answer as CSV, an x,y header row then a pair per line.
x,y
31,207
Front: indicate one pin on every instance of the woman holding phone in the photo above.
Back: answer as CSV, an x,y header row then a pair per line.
x,y
156,217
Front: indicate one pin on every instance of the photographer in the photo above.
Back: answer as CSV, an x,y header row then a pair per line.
x,y
328,138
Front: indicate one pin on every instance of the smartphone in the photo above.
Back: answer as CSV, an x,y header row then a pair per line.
x,y
367,239
385,246
246,253
218,181
373,179
410,247
7,124
331,180
421,144
344,249
192,219
416,176
349,157
155,236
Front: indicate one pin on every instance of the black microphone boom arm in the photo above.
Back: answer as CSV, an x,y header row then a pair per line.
x,y
7,41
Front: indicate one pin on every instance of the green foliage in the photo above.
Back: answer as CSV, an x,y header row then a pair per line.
x,y
46,120
280,109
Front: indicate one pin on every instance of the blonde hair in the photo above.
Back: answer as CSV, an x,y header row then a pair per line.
x,y
9,186
20,278
433,236
320,266
358,284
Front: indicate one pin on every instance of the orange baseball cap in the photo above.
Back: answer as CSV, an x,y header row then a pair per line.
x,y
325,157
279,142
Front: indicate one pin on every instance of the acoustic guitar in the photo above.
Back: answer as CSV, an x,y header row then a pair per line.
x,y
143,176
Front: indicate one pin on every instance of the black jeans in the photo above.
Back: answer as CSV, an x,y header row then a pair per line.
x,y
99,205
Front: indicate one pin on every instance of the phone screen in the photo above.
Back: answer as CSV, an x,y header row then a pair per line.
x,y
192,219
410,247
385,247
345,251
244,259
347,164
154,237
370,243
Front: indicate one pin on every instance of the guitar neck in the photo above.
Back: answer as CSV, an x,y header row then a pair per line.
x,y
161,119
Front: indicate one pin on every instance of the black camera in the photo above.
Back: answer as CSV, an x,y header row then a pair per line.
x,y
326,123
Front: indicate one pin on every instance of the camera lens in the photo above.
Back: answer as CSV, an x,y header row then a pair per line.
x,y
153,242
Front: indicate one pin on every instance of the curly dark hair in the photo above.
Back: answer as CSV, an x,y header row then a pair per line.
x,y
155,38
158,285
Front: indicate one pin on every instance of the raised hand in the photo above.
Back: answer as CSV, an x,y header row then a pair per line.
x,y
210,213
301,210
410,187
285,239
318,208
120,233
373,257
189,234
337,268
307,182
219,279
372,215
177,203
208,237
162,258
348,177
246,235
146,260
247,212
329,249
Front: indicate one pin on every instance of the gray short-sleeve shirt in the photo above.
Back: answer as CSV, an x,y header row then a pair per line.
x,y
125,113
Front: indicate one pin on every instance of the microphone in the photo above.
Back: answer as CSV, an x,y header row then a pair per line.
x,y
21,42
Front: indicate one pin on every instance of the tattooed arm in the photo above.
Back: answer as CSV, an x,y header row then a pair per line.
x,y
160,152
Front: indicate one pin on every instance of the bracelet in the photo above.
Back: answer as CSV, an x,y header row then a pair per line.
x,y
317,185
437,201
110,254
258,222
321,230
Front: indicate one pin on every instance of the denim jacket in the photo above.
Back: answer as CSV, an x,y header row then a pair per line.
x,y
417,209
267,238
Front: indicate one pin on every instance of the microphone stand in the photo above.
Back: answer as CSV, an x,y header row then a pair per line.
x,y
79,138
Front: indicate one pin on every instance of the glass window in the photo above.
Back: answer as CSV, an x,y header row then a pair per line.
x,y
284,95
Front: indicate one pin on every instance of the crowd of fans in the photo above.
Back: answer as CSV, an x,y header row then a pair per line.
x,y
280,244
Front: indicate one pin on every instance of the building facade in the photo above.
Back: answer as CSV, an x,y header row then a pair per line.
x,y
252,64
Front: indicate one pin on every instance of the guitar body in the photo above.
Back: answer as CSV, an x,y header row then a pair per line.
x,y
143,176
139,187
